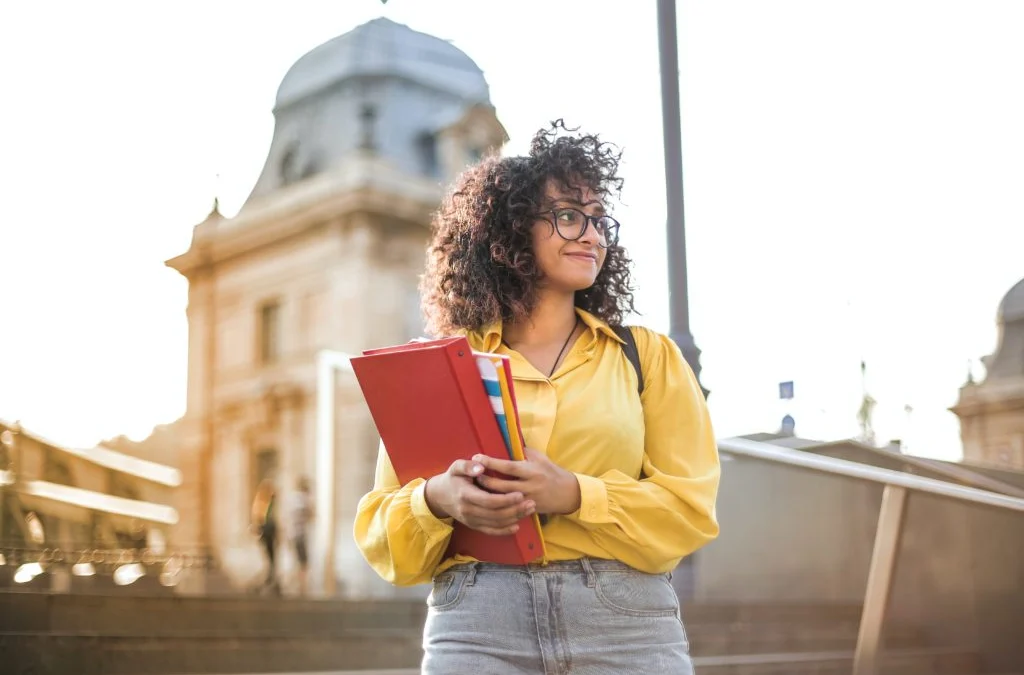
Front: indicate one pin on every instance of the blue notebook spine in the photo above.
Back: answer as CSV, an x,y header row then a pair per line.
x,y
489,375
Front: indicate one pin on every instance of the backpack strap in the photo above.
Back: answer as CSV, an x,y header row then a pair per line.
x,y
632,353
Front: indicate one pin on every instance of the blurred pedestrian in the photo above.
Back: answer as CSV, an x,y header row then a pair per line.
x,y
264,523
300,515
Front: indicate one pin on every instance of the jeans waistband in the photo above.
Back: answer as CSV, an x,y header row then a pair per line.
x,y
579,565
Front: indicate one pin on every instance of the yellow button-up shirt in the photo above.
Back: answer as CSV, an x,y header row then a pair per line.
x,y
647,465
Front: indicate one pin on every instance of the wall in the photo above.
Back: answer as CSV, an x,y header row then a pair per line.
x,y
791,535
788,535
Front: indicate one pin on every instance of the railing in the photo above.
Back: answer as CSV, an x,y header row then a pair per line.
x,y
889,530
123,564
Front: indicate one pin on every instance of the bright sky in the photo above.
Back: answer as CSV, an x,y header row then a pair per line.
x,y
853,177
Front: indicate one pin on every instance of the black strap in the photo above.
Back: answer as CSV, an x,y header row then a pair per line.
x,y
632,353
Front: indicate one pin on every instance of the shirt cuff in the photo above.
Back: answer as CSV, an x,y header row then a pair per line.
x,y
431,524
593,500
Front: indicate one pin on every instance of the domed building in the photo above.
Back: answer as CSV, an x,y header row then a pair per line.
x,y
322,260
992,412
410,98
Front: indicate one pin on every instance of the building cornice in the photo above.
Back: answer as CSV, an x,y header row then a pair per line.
x,y
362,184
990,397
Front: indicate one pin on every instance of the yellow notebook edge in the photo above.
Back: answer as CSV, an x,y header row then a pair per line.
x,y
512,419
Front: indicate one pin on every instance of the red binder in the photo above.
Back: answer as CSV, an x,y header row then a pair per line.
x,y
430,408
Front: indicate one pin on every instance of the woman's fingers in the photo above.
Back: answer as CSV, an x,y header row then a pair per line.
x,y
465,467
500,485
490,501
516,469
500,518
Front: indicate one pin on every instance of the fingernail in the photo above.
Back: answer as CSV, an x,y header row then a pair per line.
x,y
515,528
476,469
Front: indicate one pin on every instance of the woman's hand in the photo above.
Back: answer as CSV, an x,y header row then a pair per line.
x,y
455,494
550,487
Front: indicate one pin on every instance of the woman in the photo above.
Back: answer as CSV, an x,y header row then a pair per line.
x,y
525,261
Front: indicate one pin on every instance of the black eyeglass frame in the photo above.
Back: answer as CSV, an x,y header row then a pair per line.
x,y
610,239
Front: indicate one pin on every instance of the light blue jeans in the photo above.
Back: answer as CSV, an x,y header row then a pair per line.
x,y
585,617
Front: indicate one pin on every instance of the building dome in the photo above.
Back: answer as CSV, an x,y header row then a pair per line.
x,y
1012,307
384,48
382,88
1007,361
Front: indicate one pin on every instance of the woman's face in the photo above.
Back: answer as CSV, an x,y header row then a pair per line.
x,y
566,265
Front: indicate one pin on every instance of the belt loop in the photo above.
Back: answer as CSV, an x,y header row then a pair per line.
x,y
471,574
588,570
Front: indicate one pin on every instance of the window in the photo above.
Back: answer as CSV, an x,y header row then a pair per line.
x,y
428,156
264,467
270,332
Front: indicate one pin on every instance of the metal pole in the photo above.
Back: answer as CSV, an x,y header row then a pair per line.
x,y
679,308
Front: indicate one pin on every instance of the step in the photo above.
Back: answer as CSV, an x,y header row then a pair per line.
x,y
124,615
905,662
750,637
939,661
239,633
713,629
106,655
705,640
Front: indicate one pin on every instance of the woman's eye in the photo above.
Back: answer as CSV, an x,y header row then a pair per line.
x,y
566,216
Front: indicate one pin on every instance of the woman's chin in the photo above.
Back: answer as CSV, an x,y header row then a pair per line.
x,y
568,283
575,285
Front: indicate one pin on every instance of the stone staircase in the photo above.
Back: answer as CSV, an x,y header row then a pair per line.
x,y
776,639
60,634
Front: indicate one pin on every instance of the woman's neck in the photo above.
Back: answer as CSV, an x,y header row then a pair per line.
x,y
550,321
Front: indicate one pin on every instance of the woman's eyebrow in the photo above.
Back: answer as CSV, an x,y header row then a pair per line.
x,y
575,202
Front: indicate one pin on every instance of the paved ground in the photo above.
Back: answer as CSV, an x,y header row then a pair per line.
x,y
414,671
754,659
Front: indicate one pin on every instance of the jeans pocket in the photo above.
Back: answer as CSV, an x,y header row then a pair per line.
x,y
637,593
448,590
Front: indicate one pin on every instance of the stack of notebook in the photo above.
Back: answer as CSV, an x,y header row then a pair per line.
x,y
438,401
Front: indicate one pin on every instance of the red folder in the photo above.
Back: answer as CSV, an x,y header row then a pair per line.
x,y
430,408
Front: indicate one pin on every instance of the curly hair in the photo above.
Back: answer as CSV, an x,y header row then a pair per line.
x,y
480,262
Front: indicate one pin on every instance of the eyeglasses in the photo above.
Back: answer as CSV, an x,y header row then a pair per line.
x,y
571,224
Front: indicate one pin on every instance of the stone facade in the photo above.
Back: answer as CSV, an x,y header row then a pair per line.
x,y
328,259
992,412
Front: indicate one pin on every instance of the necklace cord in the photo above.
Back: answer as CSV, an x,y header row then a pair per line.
x,y
560,351
564,345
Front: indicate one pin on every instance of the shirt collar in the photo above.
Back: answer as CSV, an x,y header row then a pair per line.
x,y
489,338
